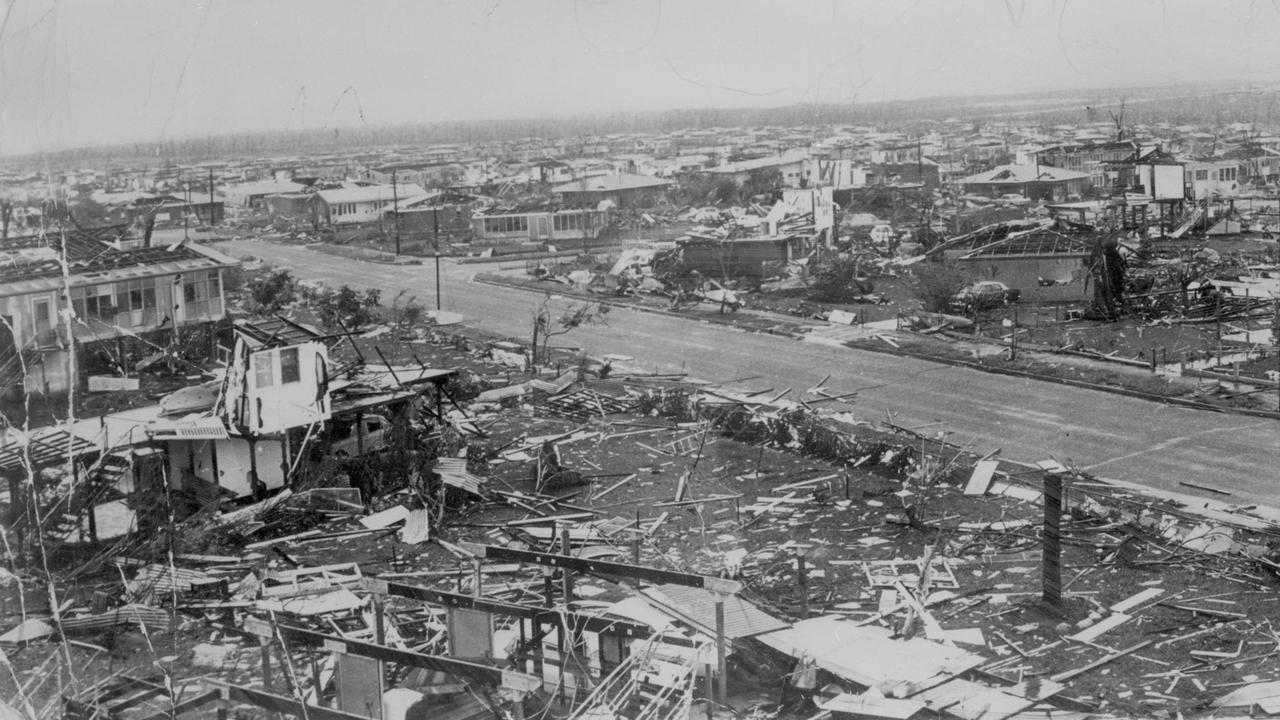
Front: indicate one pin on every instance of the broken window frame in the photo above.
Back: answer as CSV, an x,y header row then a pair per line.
x,y
202,294
500,224
264,370
88,303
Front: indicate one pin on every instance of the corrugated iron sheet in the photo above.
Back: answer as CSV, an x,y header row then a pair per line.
x,y
453,472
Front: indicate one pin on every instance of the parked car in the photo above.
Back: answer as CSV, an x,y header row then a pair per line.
x,y
983,295
345,442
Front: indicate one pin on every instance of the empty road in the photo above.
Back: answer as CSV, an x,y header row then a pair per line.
x,y
1108,435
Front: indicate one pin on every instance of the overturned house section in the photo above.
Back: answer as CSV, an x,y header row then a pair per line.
x,y
281,400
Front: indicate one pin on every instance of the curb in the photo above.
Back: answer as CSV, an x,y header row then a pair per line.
x,y
954,362
1114,390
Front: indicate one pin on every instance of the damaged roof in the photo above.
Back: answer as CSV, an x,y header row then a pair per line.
x,y
696,606
1035,243
33,263
610,183
276,332
370,193
986,235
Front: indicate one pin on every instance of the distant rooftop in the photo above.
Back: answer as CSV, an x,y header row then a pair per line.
x,y
371,193
1009,174
610,183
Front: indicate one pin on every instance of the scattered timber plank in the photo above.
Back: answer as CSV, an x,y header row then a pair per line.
x,y
1068,674
980,480
1096,630
1222,614
1135,600
614,486
1206,488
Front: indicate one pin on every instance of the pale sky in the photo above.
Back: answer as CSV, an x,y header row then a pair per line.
x,y
83,72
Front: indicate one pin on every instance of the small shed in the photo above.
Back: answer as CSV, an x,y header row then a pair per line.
x,y
1034,182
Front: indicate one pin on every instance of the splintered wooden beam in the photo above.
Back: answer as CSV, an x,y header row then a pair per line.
x,y
282,704
484,675
541,615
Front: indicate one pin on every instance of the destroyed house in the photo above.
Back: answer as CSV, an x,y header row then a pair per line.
x,y
961,245
254,194
790,167
416,173
553,171
754,257
1258,163
1151,172
1034,182
923,172
238,441
112,294
540,226
298,206
1045,264
1211,177
162,208
281,397
1088,158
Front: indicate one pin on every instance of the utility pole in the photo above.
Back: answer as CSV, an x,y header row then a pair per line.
x,y
920,158
435,232
186,210
395,209
212,219
1013,339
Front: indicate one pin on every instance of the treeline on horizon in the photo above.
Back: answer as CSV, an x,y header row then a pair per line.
x,y
1199,105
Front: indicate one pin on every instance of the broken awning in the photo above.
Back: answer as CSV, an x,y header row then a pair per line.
x,y
697,607
207,428
868,655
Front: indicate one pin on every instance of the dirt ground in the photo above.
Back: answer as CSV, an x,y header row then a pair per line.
x,y
766,498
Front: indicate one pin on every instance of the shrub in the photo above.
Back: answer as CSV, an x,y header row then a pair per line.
x,y
345,308
936,284
840,281
269,293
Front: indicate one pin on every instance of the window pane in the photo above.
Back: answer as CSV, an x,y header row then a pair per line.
x,y
289,372
262,375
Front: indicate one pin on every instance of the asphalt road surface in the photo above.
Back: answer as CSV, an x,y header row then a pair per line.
x,y
1109,435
